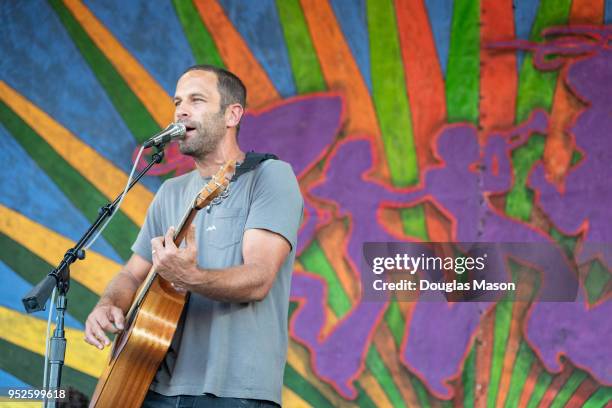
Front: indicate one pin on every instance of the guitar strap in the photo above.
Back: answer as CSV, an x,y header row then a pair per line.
x,y
250,162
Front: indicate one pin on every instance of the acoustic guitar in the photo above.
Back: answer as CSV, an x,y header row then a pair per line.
x,y
151,320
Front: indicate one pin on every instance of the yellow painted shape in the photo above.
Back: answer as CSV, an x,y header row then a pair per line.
x,y
94,272
6,402
374,390
29,333
147,90
293,400
100,172
300,361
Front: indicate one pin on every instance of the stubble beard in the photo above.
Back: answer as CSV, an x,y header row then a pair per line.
x,y
209,131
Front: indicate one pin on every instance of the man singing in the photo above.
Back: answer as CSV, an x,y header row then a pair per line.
x,y
231,344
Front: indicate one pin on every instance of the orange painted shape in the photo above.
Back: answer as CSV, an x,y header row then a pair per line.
x,y
342,74
424,79
559,143
584,391
530,383
439,228
498,74
514,341
331,239
484,353
587,12
236,54
519,308
555,386
148,91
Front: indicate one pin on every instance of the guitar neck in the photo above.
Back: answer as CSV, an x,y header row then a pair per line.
x,y
179,236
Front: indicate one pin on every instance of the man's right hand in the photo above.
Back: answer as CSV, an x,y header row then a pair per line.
x,y
104,318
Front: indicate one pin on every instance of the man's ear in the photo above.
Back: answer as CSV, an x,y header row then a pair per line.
x,y
233,114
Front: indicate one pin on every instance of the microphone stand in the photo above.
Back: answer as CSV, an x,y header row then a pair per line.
x,y
59,278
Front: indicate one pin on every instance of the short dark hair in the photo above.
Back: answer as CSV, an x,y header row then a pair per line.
x,y
230,87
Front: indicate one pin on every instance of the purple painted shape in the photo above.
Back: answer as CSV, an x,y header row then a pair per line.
x,y
587,198
458,188
582,334
298,131
339,357
438,339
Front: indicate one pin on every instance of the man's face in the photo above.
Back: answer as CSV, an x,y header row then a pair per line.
x,y
197,106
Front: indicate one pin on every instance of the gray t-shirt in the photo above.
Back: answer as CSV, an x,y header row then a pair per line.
x,y
233,350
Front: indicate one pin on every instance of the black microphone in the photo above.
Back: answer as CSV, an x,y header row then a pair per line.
x,y
173,131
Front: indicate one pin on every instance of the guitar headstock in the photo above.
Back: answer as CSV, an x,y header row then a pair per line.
x,y
216,186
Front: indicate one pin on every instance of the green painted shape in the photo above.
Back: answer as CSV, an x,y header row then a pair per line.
x,y
121,232
363,399
463,71
420,391
314,260
503,318
132,111
33,269
383,376
570,386
567,243
302,55
292,308
535,90
599,399
544,380
596,280
389,93
468,378
28,367
577,157
519,200
520,372
413,222
201,42
396,323
304,389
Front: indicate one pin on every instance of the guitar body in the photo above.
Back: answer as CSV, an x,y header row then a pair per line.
x,y
140,349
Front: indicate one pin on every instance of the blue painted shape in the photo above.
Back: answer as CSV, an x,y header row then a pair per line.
x,y
259,25
151,32
608,12
55,211
524,16
9,380
440,14
44,65
13,287
354,25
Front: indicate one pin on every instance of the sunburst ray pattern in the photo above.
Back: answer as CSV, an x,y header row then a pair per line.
x,y
367,100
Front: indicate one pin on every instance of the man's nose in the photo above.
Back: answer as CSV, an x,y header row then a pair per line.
x,y
181,112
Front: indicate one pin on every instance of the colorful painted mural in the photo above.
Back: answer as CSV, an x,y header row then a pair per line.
x,y
405,120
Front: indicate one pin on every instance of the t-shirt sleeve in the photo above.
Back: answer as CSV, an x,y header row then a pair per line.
x,y
277,202
151,228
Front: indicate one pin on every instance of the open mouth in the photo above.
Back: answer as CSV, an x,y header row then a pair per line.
x,y
189,129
